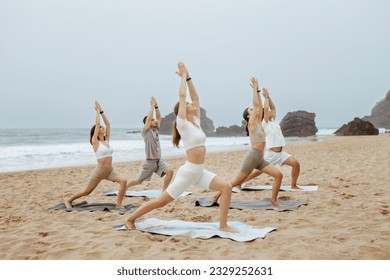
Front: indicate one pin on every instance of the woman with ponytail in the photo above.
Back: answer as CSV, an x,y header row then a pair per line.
x,y
188,130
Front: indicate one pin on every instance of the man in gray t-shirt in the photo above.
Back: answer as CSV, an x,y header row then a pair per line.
x,y
153,162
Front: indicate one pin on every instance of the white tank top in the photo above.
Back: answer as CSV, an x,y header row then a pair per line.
x,y
191,135
102,151
273,134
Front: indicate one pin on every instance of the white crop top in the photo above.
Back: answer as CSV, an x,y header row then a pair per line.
x,y
102,151
274,135
191,135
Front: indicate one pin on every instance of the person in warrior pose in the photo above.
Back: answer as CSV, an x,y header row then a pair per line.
x,y
187,128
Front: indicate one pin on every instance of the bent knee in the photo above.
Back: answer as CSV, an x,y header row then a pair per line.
x,y
168,171
227,187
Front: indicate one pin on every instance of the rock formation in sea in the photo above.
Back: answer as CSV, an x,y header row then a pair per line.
x,y
233,130
167,123
357,127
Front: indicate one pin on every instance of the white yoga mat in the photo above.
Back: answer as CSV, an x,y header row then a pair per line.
x,y
264,204
145,193
199,229
282,188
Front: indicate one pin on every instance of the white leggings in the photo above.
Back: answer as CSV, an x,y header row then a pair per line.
x,y
190,174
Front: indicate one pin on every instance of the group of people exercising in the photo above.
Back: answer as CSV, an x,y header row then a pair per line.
x,y
265,136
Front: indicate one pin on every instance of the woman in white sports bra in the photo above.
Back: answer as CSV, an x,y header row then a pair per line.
x,y
100,141
187,128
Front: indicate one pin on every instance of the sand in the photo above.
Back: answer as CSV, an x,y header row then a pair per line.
x,y
347,218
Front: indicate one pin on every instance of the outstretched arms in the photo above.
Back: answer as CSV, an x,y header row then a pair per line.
x,y
257,106
193,94
182,72
269,107
94,140
105,120
158,114
149,117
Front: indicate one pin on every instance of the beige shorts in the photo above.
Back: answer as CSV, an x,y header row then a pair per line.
x,y
151,166
102,173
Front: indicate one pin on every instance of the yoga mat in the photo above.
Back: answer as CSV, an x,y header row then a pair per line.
x,y
282,188
264,204
85,206
199,229
145,193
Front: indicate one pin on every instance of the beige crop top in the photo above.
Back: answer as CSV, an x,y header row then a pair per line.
x,y
257,136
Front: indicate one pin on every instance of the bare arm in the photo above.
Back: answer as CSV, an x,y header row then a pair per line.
x,y
150,113
106,122
95,141
257,107
267,115
272,109
193,94
158,114
182,72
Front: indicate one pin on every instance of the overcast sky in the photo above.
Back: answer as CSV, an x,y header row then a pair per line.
x,y
330,57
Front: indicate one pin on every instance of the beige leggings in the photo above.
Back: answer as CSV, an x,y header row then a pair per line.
x,y
101,173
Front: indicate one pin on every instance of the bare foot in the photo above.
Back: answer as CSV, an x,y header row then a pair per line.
x,y
67,204
275,203
296,187
227,229
130,225
120,206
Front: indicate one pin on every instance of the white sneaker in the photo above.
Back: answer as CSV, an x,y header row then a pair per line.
x,y
244,185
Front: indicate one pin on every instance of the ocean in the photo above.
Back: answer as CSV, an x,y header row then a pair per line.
x,y
32,149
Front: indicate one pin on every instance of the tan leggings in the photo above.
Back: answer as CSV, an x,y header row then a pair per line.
x,y
254,160
100,174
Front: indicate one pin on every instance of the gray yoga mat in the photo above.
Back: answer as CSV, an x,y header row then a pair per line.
x,y
145,193
282,188
264,204
85,206
199,229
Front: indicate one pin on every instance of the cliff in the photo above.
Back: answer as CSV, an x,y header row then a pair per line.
x,y
380,114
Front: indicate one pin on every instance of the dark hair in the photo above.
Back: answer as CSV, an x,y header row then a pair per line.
x,y
175,133
91,134
144,120
246,118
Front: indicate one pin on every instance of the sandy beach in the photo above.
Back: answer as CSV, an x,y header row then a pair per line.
x,y
347,218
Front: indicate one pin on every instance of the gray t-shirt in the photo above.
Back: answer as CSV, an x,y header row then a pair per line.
x,y
152,143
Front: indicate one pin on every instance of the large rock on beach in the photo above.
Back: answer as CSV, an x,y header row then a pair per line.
x,y
299,123
357,127
168,120
380,114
